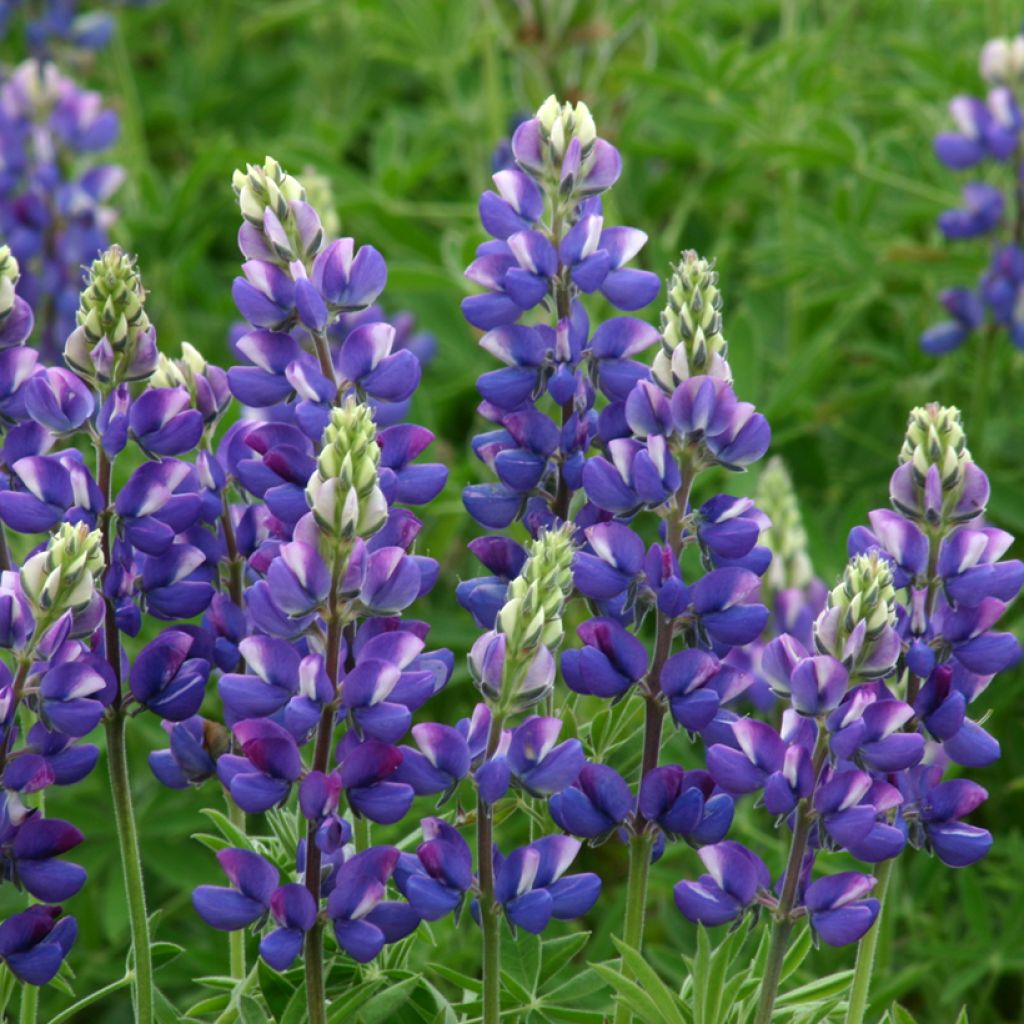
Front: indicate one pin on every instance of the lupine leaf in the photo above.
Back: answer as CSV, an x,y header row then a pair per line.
x,y
464,981
232,833
663,997
962,1016
797,952
213,1004
341,1008
251,1012
898,1015
629,992
387,1001
820,988
521,958
558,951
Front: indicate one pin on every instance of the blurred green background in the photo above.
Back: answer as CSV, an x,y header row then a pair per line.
x,y
791,140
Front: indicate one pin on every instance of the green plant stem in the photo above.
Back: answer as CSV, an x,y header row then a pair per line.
x,y
860,987
642,840
490,921
236,939
783,926
361,833
120,783
316,999
131,865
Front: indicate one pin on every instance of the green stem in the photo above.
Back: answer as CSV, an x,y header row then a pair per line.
x,y
490,920
29,1007
93,997
636,905
316,998
361,832
783,926
131,865
860,987
236,939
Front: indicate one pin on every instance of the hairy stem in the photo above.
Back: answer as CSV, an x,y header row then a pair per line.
x,y
490,920
642,841
120,783
316,1001
236,939
783,926
131,865
860,987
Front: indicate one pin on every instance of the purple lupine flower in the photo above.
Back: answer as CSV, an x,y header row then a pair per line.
x,y
269,764
440,763
436,879
294,912
735,876
34,943
191,758
852,806
697,685
247,900
838,911
608,664
532,887
594,806
934,810
29,847
168,677
684,804
359,889
52,192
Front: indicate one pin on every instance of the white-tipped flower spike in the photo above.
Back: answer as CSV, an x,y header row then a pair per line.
x,y
114,340
935,437
691,325
9,274
857,624
276,211
1002,61
786,537
268,186
532,613
343,491
937,481
563,122
63,576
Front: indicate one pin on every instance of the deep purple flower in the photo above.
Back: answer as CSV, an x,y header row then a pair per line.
x,y
838,911
168,678
735,876
436,879
595,805
294,912
685,805
253,882
34,943
532,886
359,889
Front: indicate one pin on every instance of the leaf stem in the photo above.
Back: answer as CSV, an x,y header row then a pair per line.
x,y
783,917
131,865
860,987
490,921
316,1001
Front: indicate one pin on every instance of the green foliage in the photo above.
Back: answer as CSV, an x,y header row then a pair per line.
x,y
790,141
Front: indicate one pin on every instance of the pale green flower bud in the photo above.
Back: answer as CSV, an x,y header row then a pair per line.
x,y
935,437
786,537
260,187
857,624
532,614
9,274
1002,61
114,340
343,491
866,594
63,576
563,122
691,325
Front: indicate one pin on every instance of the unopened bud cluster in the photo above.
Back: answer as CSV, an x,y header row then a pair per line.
x,y
1002,61
786,537
275,203
866,594
563,122
691,325
114,340
9,274
343,492
532,613
935,437
62,577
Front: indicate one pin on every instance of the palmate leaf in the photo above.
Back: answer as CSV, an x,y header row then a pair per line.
x,y
666,1003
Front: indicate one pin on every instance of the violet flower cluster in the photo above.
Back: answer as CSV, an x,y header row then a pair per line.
x,y
986,134
55,24
877,709
54,189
